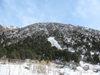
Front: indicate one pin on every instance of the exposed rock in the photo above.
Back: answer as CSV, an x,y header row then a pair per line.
x,y
86,67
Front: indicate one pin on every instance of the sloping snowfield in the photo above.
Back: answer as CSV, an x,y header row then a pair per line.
x,y
54,42
37,68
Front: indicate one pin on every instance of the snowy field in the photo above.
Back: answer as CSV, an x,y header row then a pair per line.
x,y
42,68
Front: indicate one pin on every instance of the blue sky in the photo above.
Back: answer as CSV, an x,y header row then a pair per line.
x,y
24,12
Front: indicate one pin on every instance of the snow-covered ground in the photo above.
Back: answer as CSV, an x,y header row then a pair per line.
x,y
37,68
28,68
80,70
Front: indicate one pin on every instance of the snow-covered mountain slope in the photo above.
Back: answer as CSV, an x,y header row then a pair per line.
x,y
2,29
11,27
80,40
7,28
69,33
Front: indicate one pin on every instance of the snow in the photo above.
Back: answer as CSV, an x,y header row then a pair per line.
x,y
36,68
69,39
54,42
71,50
92,53
90,44
11,27
82,56
80,71
25,69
